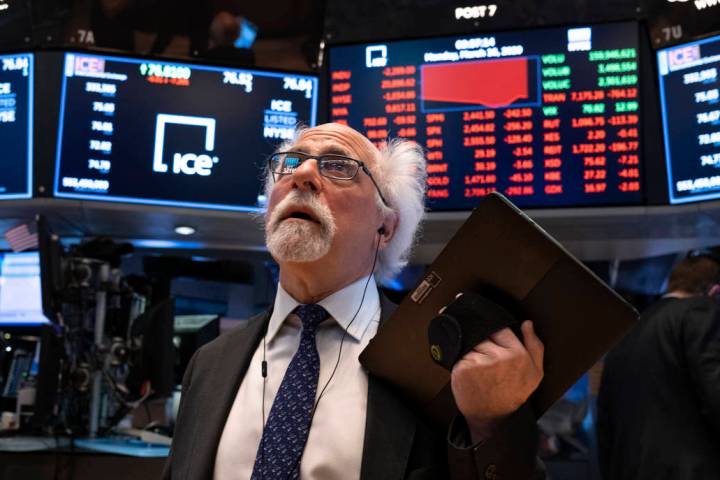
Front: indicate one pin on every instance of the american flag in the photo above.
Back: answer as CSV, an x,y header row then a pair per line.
x,y
21,238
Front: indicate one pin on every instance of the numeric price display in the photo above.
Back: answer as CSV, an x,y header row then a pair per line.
x,y
141,131
547,117
16,117
690,94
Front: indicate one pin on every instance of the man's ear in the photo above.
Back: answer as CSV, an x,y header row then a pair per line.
x,y
714,290
388,229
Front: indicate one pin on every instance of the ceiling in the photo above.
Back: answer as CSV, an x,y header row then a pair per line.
x,y
590,233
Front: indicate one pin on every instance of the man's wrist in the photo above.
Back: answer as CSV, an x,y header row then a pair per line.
x,y
482,429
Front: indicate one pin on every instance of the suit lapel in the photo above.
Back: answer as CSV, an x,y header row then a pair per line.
x,y
389,427
230,366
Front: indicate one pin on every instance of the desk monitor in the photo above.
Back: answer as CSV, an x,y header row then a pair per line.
x,y
16,118
155,132
690,101
547,117
191,332
20,291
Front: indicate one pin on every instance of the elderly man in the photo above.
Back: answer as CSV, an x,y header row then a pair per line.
x,y
286,397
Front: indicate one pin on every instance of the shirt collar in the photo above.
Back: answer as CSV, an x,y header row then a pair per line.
x,y
341,306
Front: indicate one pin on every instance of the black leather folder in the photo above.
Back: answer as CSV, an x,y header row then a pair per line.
x,y
499,251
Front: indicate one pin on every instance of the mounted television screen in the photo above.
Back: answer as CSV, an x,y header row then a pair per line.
x,y
690,100
547,117
16,118
153,132
20,291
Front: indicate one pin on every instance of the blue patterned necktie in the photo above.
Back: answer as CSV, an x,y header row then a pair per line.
x,y
286,431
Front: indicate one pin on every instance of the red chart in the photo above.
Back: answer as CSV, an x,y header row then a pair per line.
x,y
482,84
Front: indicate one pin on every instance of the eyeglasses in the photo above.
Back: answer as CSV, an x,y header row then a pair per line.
x,y
337,167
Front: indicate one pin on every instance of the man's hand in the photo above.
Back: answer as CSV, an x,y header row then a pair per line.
x,y
495,378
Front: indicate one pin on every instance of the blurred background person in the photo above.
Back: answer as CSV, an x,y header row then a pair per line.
x,y
659,400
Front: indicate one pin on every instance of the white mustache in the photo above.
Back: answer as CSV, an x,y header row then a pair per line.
x,y
307,201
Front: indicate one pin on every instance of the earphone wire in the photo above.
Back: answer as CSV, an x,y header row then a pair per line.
x,y
337,363
342,340
263,368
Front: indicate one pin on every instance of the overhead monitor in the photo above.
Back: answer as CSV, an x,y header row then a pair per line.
x,y
547,117
20,291
152,132
690,98
16,118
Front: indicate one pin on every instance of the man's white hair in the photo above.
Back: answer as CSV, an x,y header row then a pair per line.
x,y
401,176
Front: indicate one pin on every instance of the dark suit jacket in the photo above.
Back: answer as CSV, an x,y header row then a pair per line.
x,y
659,401
397,444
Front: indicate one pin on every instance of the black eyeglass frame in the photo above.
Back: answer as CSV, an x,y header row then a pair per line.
x,y
331,156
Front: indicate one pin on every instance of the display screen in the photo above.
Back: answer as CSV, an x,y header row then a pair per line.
x,y
547,117
174,134
16,107
20,292
690,94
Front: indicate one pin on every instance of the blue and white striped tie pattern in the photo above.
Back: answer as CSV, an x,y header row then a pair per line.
x,y
286,431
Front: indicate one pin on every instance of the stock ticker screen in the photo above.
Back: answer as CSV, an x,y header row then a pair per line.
x,y
16,117
547,117
174,134
690,100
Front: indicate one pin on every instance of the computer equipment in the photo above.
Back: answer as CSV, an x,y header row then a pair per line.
x,y
20,289
500,253
689,83
548,117
16,124
157,132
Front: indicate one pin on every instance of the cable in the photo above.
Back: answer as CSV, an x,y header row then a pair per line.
x,y
337,362
263,371
342,340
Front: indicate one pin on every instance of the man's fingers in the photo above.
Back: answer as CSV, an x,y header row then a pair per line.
x,y
533,344
498,344
505,338
486,348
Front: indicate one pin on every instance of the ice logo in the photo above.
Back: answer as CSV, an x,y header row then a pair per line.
x,y
683,55
376,56
185,163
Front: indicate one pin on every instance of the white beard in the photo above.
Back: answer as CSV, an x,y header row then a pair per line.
x,y
292,240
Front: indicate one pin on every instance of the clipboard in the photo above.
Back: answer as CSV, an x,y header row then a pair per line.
x,y
500,249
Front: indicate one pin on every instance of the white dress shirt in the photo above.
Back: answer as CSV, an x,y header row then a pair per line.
x,y
335,441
